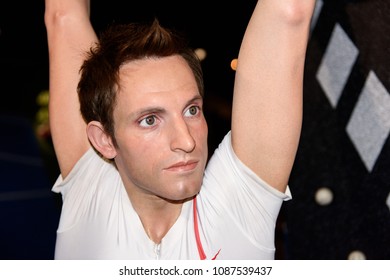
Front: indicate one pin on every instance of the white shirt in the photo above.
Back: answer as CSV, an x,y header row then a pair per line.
x,y
236,215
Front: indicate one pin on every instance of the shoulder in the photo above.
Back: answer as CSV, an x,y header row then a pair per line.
x,y
89,171
226,176
90,186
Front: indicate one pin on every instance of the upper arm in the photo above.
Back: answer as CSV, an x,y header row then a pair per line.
x,y
69,35
267,103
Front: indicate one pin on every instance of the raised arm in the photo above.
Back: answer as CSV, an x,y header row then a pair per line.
x,y
267,103
69,35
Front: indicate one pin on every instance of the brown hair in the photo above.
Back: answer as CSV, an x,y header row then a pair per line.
x,y
119,44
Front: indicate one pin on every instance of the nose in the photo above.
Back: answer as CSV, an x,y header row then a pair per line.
x,y
181,137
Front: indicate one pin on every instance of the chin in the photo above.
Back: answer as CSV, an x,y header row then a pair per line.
x,y
183,194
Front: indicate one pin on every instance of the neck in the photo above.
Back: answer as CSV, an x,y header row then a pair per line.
x,y
156,214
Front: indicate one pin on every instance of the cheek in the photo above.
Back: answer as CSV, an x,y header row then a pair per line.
x,y
134,152
144,153
202,132
138,165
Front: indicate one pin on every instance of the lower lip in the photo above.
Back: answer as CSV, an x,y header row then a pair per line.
x,y
183,168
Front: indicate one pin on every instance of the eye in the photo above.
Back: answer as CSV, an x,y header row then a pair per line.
x,y
192,111
148,121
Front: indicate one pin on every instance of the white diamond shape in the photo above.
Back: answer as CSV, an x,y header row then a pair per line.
x,y
336,64
388,201
369,125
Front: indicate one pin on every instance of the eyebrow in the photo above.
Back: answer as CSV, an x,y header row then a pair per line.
x,y
147,111
195,99
161,110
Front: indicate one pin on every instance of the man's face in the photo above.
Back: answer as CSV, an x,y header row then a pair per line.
x,y
160,129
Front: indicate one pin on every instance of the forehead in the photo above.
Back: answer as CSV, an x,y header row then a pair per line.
x,y
155,81
156,75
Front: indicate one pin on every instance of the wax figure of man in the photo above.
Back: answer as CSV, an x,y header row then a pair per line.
x,y
126,115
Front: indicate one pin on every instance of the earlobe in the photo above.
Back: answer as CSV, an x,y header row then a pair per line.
x,y
101,141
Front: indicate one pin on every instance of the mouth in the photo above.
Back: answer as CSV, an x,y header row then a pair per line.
x,y
183,166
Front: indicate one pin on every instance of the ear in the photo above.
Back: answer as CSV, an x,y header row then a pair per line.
x,y
101,141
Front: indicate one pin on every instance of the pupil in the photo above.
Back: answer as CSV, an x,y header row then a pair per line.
x,y
193,111
150,120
